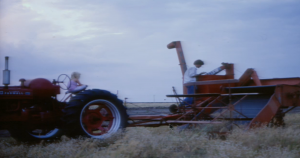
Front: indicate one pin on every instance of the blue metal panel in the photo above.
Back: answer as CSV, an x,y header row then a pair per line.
x,y
249,106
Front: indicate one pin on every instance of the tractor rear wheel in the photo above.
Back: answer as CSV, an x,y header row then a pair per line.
x,y
94,113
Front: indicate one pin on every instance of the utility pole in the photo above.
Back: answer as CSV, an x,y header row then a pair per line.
x,y
125,102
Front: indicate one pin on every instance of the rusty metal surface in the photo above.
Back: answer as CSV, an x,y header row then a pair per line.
x,y
266,114
278,81
288,95
270,89
182,63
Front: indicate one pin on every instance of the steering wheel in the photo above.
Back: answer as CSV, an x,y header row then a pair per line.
x,y
64,81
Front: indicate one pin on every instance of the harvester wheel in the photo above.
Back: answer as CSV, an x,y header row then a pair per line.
x,y
94,113
173,108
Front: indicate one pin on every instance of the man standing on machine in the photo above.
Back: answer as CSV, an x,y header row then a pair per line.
x,y
189,77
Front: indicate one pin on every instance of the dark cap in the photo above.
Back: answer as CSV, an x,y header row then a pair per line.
x,y
198,62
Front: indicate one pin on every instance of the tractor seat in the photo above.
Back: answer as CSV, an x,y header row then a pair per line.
x,y
77,89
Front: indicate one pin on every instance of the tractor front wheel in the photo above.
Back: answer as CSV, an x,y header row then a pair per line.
x,y
24,132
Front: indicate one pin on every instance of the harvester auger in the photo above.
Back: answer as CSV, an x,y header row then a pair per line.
x,y
247,101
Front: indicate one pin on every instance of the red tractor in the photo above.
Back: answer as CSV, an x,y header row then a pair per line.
x,y
31,111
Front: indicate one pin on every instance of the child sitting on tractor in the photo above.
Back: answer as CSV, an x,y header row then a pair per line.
x,y
75,85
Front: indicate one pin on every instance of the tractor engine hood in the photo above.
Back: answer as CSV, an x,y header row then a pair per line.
x,y
42,87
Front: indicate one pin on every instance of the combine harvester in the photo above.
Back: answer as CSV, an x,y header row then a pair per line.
x,y
248,100
31,111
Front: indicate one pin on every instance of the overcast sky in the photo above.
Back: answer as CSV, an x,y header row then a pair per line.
x,y
120,45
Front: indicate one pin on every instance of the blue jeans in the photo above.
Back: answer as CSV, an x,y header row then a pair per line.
x,y
188,100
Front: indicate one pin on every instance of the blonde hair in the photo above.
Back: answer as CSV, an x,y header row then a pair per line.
x,y
75,75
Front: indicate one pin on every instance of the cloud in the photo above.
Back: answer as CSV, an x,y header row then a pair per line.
x,y
121,45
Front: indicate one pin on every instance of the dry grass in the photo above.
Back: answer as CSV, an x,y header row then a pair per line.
x,y
164,142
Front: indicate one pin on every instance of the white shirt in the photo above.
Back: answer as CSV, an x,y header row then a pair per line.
x,y
188,75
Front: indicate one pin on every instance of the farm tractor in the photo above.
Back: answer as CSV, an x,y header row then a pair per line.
x,y
31,111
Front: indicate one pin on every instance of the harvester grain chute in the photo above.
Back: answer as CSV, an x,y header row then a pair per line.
x,y
32,111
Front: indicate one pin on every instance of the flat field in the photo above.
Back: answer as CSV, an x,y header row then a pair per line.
x,y
137,142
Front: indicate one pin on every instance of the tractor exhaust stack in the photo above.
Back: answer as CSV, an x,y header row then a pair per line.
x,y
6,73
